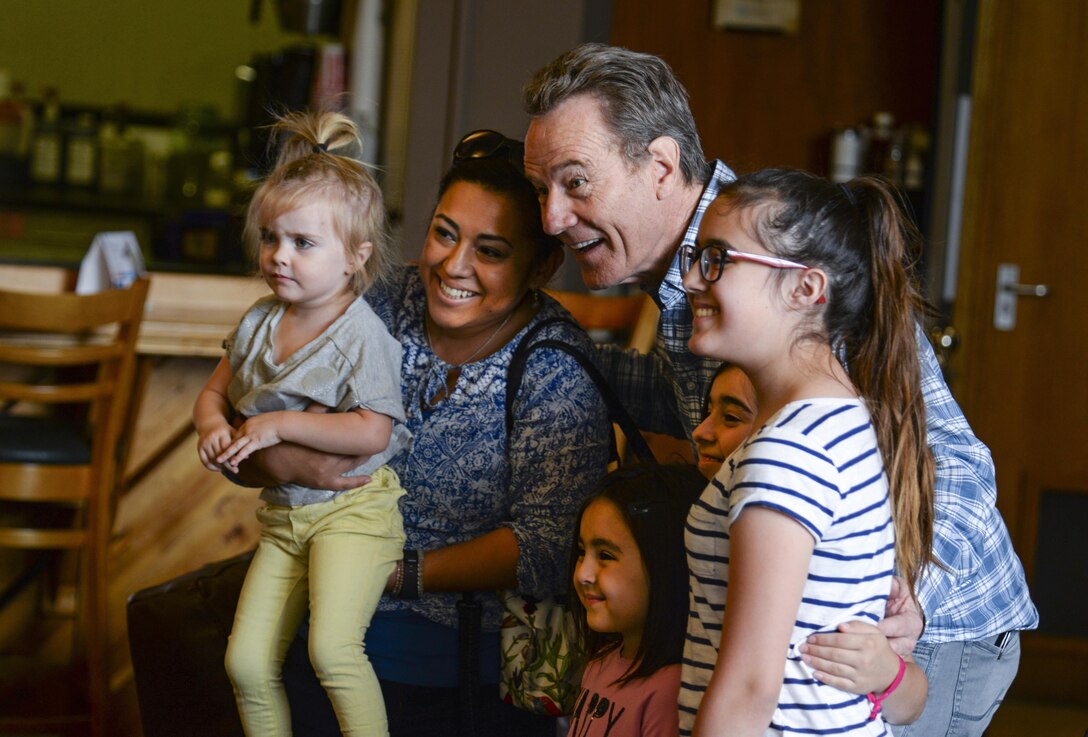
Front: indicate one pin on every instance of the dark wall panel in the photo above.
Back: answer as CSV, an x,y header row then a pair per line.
x,y
765,99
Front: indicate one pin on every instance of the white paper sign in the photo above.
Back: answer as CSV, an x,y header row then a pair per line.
x,y
114,260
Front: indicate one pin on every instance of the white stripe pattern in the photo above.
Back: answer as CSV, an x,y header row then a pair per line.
x,y
816,461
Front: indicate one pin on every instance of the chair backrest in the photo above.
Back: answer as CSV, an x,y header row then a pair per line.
x,y
633,316
63,350
67,367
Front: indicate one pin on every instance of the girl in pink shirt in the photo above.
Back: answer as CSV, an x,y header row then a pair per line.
x,y
630,577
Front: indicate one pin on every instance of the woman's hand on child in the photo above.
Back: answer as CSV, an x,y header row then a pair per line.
x,y
857,658
259,431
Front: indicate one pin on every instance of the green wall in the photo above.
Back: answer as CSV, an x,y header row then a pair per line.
x,y
152,54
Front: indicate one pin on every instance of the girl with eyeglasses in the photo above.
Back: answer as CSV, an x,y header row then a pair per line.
x,y
629,598
806,286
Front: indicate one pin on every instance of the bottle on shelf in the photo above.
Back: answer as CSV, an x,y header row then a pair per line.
x,y
188,158
847,147
14,131
917,150
121,155
47,144
895,160
81,151
18,96
220,180
879,143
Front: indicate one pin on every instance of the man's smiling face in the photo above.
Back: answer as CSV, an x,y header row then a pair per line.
x,y
591,197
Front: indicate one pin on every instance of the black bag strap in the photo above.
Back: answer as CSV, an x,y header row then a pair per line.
x,y
468,608
616,413
469,614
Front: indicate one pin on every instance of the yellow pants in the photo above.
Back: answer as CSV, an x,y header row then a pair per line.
x,y
335,556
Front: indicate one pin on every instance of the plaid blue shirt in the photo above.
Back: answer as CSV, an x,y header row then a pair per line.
x,y
983,592
639,379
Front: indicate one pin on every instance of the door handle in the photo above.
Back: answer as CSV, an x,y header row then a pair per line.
x,y
1028,290
1008,290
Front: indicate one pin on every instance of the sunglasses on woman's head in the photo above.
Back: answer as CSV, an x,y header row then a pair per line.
x,y
486,144
713,259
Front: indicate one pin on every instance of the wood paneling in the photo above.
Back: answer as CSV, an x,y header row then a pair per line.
x,y
1024,389
773,100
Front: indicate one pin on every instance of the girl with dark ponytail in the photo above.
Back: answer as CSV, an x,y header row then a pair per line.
x,y
807,286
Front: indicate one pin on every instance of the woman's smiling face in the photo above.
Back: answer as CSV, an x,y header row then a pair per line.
x,y
478,261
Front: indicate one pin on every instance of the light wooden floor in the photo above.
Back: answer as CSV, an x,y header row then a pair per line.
x,y
175,518
179,516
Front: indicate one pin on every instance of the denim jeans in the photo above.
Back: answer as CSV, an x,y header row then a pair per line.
x,y
967,682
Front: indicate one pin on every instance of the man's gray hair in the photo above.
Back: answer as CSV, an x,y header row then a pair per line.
x,y
640,96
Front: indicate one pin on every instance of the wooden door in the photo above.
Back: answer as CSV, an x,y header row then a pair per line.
x,y
1025,389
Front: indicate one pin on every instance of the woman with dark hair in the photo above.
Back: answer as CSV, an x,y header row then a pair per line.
x,y
484,510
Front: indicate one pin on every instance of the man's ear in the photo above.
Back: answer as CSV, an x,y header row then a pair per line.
x,y
362,255
810,289
665,162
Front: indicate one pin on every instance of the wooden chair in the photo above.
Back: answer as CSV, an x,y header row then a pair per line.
x,y
66,374
629,320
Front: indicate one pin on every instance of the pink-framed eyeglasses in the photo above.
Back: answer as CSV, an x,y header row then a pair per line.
x,y
714,258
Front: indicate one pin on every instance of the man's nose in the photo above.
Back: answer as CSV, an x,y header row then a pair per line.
x,y
557,214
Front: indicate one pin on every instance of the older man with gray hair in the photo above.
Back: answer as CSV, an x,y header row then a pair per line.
x,y
614,154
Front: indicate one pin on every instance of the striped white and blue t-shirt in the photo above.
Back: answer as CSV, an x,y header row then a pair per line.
x,y
817,461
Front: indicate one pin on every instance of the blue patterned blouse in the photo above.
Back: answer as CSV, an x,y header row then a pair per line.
x,y
464,477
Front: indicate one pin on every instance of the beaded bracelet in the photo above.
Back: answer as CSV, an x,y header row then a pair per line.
x,y
398,579
419,574
878,701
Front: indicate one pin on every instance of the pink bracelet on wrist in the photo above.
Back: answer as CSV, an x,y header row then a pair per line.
x,y
878,701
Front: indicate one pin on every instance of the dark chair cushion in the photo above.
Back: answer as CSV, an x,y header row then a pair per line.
x,y
43,440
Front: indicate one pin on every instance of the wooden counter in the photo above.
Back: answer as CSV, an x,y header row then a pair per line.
x,y
185,314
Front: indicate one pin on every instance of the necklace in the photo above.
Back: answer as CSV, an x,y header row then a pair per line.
x,y
436,386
